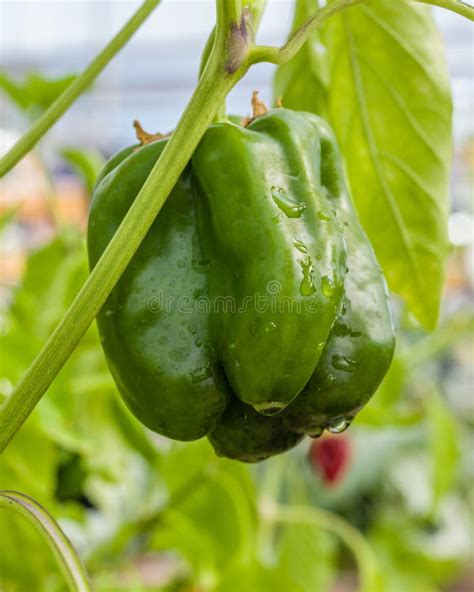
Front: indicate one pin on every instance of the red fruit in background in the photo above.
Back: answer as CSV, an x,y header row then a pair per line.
x,y
330,456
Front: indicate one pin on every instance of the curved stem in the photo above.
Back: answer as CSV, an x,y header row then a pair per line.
x,y
75,89
256,8
462,8
281,55
331,522
65,553
214,85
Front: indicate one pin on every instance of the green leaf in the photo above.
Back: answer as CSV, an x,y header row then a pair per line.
x,y
53,276
415,557
35,93
192,540
390,105
19,470
14,91
301,83
86,163
112,464
444,447
44,91
221,508
298,546
19,463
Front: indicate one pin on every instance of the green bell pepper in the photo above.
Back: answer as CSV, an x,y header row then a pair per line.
x,y
254,311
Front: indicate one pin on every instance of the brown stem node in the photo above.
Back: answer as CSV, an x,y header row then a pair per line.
x,y
144,137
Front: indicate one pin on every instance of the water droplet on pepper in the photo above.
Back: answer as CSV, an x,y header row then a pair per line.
x,y
307,286
201,265
291,208
327,287
339,425
323,216
300,246
269,407
343,363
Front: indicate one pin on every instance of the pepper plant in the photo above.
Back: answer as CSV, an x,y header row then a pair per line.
x,y
342,85
232,51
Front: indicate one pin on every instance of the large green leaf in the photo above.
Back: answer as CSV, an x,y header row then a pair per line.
x,y
301,82
390,105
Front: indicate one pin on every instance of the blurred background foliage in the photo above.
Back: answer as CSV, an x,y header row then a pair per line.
x,y
149,514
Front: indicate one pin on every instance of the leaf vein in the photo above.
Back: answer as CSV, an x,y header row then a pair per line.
x,y
373,149
413,176
409,116
393,33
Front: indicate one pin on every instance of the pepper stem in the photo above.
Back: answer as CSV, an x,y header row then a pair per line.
x,y
144,137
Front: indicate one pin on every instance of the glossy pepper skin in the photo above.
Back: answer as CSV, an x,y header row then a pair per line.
x,y
262,211
155,340
356,355
114,162
244,434
277,258
360,346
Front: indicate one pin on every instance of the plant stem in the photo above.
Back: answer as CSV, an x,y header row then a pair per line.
x,y
231,55
281,55
75,89
256,8
65,553
462,8
214,85
228,12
